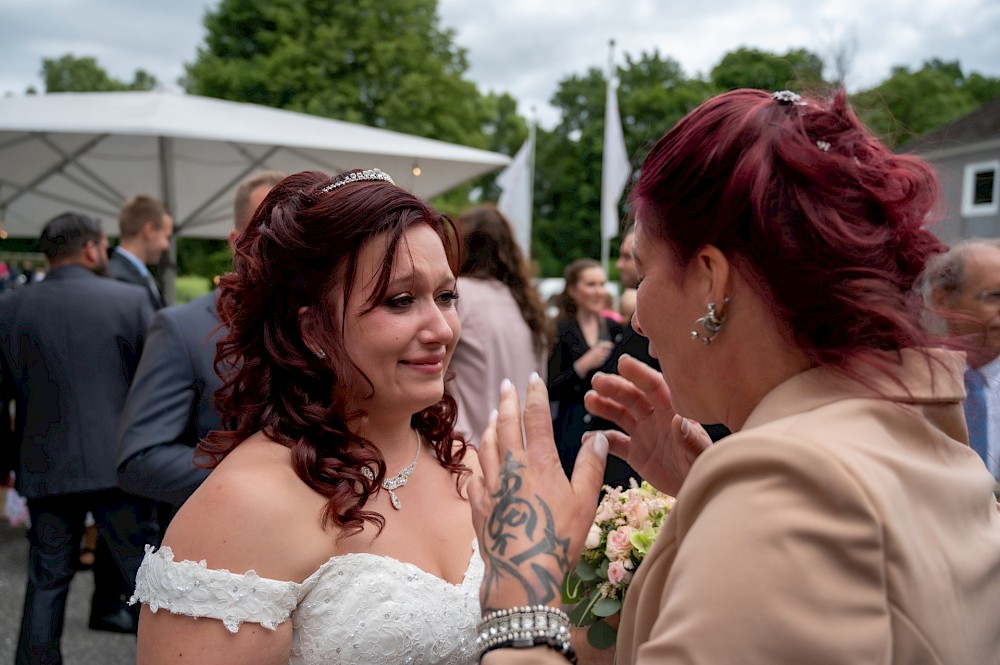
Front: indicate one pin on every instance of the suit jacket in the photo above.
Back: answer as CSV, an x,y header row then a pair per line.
x,y
69,346
170,406
495,344
124,270
835,528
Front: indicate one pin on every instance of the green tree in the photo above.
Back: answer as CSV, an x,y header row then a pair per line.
x,y
910,103
70,73
798,69
383,63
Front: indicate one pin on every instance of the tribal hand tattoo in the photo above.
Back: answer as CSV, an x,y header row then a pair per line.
x,y
523,544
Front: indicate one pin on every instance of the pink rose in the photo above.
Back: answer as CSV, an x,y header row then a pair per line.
x,y
618,546
617,574
636,512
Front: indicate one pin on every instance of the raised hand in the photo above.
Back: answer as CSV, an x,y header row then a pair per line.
x,y
593,358
659,444
531,521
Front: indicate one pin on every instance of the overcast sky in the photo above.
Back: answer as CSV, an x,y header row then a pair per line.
x,y
525,47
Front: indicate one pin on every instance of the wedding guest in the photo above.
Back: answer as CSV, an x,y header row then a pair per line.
x,y
145,227
334,527
171,405
962,286
69,346
505,331
846,519
584,340
618,473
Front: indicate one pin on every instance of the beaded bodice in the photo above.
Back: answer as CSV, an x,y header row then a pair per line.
x,y
356,608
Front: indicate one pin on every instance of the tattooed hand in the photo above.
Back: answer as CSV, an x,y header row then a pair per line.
x,y
531,521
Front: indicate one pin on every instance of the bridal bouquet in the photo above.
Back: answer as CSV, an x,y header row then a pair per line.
x,y
625,527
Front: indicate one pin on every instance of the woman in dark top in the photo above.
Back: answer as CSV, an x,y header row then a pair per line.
x,y
584,341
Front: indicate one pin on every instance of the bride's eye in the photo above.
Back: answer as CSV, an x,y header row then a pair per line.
x,y
448,298
399,302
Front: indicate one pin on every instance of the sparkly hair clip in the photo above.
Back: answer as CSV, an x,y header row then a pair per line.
x,y
823,145
360,176
787,97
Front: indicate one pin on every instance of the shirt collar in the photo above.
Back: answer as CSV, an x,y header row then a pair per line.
x,y
134,260
991,372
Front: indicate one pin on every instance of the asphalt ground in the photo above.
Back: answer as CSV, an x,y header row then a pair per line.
x,y
80,645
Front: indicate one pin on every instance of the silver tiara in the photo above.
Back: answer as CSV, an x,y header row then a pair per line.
x,y
360,176
787,97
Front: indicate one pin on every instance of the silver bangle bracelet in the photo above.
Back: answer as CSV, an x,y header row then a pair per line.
x,y
525,627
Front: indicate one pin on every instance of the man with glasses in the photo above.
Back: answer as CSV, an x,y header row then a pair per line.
x,y
962,286
69,347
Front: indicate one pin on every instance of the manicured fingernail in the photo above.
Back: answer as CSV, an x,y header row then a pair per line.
x,y
493,417
625,355
685,427
505,385
600,444
534,377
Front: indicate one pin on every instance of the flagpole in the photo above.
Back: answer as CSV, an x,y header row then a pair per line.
x,y
605,241
531,180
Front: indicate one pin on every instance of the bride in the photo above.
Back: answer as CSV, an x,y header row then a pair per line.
x,y
334,527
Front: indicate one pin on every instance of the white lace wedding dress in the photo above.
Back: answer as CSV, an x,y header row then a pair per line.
x,y
362,609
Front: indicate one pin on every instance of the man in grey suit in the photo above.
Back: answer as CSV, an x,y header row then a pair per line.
x,y
170,406
145,227
69,347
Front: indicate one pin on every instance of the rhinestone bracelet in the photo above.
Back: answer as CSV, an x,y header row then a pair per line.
x,y
525,627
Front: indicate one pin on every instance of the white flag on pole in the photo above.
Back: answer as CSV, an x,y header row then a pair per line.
x,y
616,168
515,200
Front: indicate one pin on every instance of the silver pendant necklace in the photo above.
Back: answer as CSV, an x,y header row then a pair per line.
x,y
397,481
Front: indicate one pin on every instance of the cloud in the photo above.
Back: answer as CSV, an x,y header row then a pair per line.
x,y
525,47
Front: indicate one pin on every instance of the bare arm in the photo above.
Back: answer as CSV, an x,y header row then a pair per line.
x,y
230,525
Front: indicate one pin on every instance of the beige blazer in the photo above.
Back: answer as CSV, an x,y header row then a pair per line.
x,y
836,527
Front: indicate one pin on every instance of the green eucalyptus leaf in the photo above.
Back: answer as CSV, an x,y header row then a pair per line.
x,y
579,615
602,572
605,607
601,635
586,571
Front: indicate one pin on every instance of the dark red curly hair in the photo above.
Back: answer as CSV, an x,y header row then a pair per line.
x,y
830,224
301,245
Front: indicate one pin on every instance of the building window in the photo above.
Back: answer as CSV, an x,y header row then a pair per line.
x,y
981,189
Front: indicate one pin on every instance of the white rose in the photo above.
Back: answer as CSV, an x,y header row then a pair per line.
x,y
593,537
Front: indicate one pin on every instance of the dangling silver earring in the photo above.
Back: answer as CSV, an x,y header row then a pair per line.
x,y
711,322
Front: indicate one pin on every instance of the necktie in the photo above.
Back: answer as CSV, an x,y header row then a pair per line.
x,y
975,412
154,288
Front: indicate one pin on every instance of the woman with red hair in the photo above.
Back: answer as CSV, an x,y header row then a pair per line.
x,y
334,527
846,520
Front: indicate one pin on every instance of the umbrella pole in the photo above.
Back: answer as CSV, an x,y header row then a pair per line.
x,y
168,196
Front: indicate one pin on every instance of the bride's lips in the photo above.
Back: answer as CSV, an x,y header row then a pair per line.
x,y
427,364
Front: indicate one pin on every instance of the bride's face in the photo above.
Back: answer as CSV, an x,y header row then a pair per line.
x,y
403,345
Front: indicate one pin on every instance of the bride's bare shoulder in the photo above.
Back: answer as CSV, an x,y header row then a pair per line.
x,y
253,513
